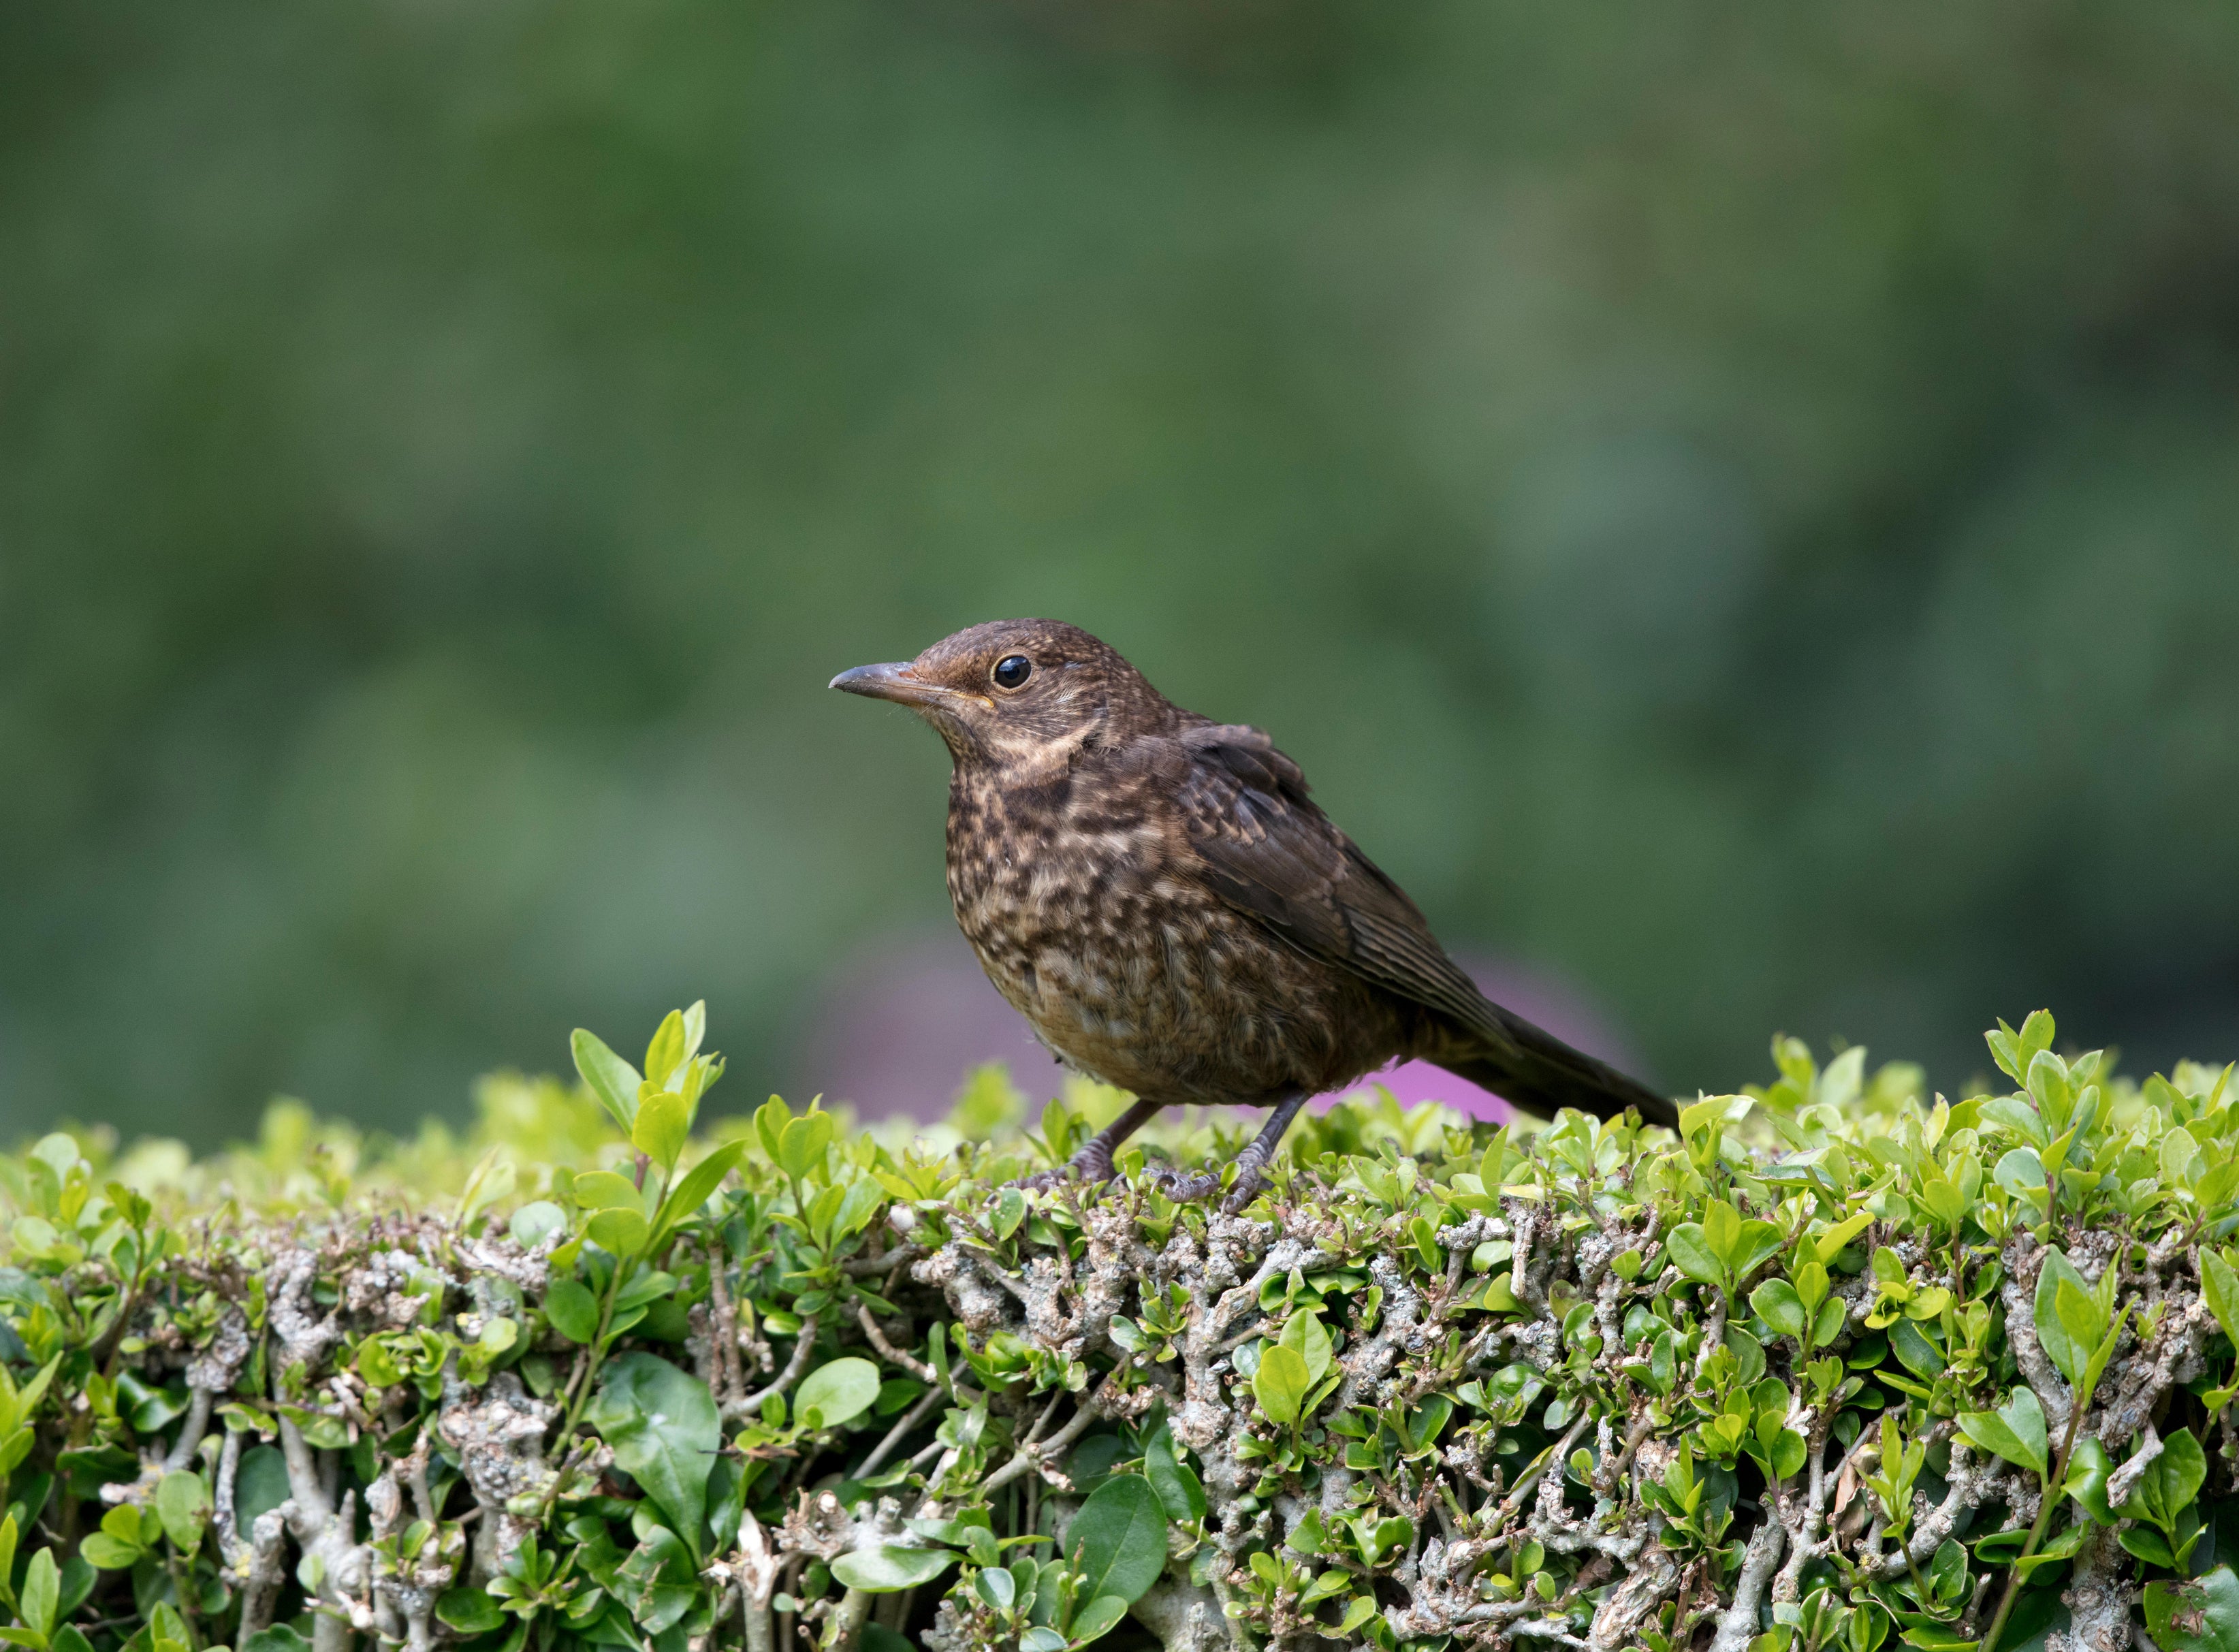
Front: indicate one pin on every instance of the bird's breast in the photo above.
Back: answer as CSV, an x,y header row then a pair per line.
x,y
1085,918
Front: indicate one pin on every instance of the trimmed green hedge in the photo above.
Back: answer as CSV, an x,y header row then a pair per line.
x,y
1795,1380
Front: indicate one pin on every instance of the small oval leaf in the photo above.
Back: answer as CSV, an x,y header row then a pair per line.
x,y
1117,1540
838,1392
886,1571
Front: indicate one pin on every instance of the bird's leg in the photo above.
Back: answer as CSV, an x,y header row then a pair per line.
x,y
1251,1164
1093,1164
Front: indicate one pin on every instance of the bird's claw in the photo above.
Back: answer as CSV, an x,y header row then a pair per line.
x,y
1187,1188
1085,1172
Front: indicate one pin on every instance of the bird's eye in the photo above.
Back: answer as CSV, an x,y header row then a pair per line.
x,y
1012,670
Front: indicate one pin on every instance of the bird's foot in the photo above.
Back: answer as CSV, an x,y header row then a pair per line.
x,y
1090,1169
1185,1187
1091,1165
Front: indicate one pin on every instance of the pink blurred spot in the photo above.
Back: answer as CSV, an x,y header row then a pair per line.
x,y
909,1016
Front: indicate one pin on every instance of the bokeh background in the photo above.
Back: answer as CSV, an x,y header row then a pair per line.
x,y
1735,506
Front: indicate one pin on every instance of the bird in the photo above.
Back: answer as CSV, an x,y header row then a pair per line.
x,y
1161,898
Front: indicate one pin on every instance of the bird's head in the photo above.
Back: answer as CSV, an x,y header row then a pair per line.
x,y
1018,694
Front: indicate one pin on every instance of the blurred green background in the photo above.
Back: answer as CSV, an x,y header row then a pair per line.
x,y
1734,506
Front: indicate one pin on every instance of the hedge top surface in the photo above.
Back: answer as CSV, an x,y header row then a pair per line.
x,y
1832,1368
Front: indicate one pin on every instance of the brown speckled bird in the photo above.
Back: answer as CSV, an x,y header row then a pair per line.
x,y
1156,893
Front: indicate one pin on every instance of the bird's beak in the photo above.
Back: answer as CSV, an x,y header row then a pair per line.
x,y
896,682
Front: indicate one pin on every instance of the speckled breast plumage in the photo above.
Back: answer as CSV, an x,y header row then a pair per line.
x,y
1132,972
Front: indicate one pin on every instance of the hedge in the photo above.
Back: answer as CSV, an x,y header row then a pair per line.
x,y
1835,1368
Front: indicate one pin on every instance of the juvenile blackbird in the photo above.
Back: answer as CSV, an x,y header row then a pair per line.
x,y
1156,893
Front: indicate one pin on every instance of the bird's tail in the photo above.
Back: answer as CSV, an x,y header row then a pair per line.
x,y
1534,1070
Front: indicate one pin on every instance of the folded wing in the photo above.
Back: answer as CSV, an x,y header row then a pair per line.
x,y
1266,849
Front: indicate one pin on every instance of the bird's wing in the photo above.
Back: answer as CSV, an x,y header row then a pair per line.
x,y
1263,846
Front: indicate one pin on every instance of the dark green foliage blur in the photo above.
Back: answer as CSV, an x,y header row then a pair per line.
x,y
1737,505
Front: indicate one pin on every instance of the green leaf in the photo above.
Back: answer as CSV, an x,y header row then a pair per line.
x,y
2148,1545
491,1179
280,1637
1280,1384
1947,1573
1829,1245
2012,1050
78,1580
837,1393
2079,1315
1776,1301
770,1120
1748,1352
1915,1352
2062,1348
1096,1619
660,1128
1755,1242
2097,1362
886,1571
623,1233
1690,1250
2220,1285
2014,1431
2213,1190
801,1148
2171,1480
1789,1452
665,1431
2000,1548
1423,1423
2014,1114
1946,1202
1180,1491
667,1051
1810,1281
109,1554
605,1190
2047,1082
1117,1540
702,1179
612,1080
261,1487
2019,1171
863,1197
2200,1615
1304,1334
2087,1479
536,1222
1362,1609
1930,1638
470,1611
1829,1325
572,1309
41,1590
183,1507
1722,1231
